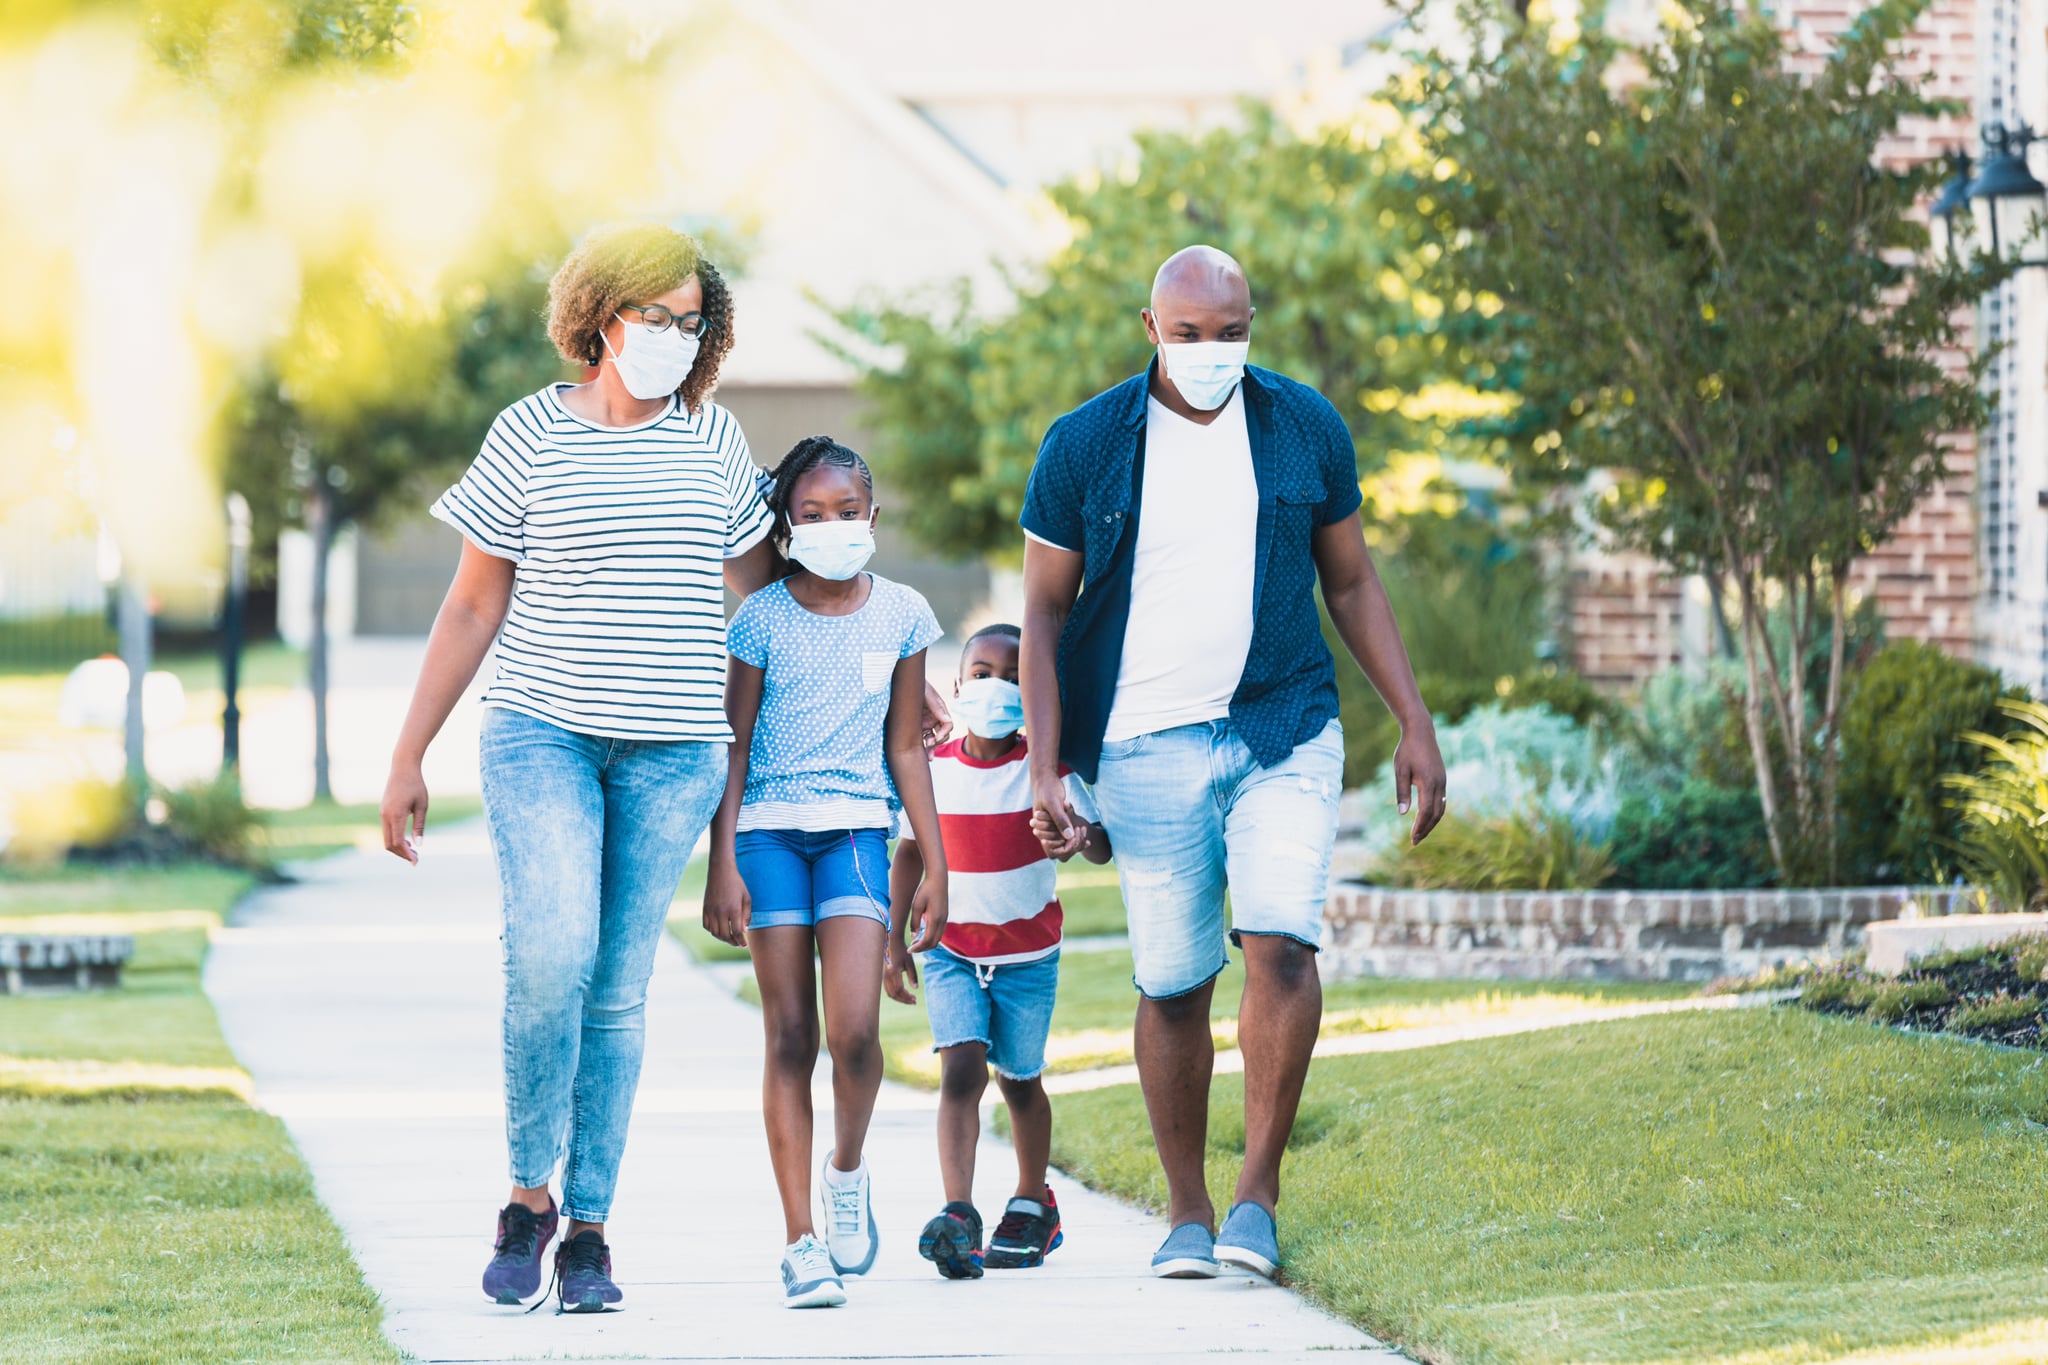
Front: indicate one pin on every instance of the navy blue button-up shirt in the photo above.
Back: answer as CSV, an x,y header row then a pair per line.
x,y
1084,496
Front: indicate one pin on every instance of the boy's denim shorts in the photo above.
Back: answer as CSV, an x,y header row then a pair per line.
x,y
1006,1007
1192,813
800,876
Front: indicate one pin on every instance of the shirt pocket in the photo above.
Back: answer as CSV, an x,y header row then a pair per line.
x,y
876,668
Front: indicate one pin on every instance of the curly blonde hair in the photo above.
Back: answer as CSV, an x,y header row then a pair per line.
x,y
631,263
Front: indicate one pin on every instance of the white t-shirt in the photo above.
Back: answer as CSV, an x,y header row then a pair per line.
x,y
617,624
1191,581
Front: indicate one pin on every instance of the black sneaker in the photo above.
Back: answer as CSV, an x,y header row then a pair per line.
x,y
523,1235
583,1265
1029,1231
952,1242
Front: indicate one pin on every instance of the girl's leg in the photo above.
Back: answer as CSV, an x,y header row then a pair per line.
x,y
1030,1132
789,1014
658,797
850,950
544,808
963,1077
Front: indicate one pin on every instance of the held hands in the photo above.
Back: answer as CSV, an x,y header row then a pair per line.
x,y
1419,768
1056,844
404,812
898,967
1061,833
727,903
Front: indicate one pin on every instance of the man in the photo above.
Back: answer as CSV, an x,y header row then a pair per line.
x,y
1176,528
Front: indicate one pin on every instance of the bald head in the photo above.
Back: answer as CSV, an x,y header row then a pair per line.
x,y
1199,294
1202,275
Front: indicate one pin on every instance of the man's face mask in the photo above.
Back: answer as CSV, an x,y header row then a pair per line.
x,y
1205,372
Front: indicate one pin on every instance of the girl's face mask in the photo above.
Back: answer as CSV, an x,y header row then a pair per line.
x,y
833,549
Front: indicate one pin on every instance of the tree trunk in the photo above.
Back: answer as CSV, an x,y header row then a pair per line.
x,y
320,525
132,616
1759,741
1831,741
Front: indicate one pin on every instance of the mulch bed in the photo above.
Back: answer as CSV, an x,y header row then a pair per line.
x,y
1994,994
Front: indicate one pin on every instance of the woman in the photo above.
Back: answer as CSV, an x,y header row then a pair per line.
x,y
600,524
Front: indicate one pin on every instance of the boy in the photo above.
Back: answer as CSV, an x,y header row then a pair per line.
x,y
990,982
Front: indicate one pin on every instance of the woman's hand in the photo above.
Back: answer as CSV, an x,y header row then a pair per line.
x,y
898,967
928,913
727,904
937,722
404,812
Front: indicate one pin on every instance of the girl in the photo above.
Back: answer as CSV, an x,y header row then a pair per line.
x,y
823,691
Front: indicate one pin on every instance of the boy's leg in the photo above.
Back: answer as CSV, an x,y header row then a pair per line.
x,y
963,1078
789,1015
1030,1132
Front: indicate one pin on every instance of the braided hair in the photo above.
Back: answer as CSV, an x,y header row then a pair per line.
x,y
812,452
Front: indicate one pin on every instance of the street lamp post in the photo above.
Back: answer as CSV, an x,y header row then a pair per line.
x,y
232,609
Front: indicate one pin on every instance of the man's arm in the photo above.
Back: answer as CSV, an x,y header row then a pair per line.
x,y
1052,582
1365,622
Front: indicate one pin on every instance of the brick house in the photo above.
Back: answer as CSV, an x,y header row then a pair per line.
x,y
1968,570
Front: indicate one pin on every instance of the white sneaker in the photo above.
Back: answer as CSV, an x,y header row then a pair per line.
x,y
807,1278
849,1220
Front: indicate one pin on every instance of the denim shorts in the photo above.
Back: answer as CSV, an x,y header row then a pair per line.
x,y
1006,1007
800,876
1191,813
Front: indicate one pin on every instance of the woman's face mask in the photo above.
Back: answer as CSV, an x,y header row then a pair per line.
x,y
652,364
990,707
833,549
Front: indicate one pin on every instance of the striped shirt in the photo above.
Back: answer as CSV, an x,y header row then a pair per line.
x,y
1002,905
617,624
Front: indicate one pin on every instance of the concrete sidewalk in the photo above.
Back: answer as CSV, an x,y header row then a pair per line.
x,y
364,1002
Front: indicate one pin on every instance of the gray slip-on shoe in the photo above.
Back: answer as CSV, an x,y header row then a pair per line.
x,y
1188,1253
1250,1239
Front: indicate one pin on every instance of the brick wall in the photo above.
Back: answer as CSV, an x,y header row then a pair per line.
x,y
1600,935
1624,614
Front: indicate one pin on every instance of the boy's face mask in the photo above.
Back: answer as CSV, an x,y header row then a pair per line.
x,y
833,549
990,707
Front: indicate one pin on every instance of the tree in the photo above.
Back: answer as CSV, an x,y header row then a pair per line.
x,y
1724,294
299,453
1322,226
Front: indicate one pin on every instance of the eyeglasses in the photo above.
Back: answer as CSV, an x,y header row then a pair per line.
x,y
660,319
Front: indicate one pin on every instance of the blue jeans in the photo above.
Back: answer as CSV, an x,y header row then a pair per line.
x,y
800,876
1190,813
592,835
1006,1007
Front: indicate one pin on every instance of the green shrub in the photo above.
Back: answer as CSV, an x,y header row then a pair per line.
x,y
2030,957
211,818
1993,1012
1529,849
1838,987
1945,959
2003,843
1703,837
1894,1000
1903,723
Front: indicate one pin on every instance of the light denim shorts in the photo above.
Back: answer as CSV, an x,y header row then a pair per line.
x,y
800,876
1006,1007
1192,814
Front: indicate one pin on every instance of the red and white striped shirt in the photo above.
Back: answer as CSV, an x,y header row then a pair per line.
x,y
1002,903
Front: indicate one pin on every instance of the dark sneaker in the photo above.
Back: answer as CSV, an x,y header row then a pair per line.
x,y
1029,1231
523,1236
952,1242
583,1265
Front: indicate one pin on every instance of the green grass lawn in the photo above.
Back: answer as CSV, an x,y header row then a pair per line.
x,y
1761,1184
171,1225
329,827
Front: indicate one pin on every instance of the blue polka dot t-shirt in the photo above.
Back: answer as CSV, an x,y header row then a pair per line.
x,y
817,760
